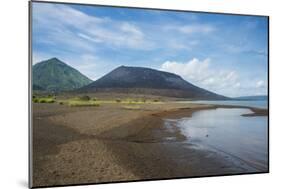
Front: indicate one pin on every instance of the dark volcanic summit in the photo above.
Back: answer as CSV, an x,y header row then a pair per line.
x,y
148,81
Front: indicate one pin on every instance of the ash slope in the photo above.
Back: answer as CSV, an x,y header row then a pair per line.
x,y
148,81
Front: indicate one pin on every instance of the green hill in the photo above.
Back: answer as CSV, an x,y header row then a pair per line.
x,y
55,75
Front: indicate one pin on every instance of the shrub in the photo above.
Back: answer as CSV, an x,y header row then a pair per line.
x,y
50,101
118,100
45,100
85,97
42,101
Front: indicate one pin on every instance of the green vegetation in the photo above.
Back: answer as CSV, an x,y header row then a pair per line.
x,y
140,101
129,103
49,99
55,75
82,103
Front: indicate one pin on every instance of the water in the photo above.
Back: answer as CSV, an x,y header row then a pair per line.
x,y
226,131
249,103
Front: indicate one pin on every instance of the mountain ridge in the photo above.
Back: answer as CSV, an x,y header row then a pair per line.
x,y
128,79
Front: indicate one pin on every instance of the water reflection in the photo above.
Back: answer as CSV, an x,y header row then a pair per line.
x,y
227,131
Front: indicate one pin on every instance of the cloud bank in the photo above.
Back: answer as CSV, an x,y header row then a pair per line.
x,y
202,74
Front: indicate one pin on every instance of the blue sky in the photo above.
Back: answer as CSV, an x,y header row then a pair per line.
x,y
223,53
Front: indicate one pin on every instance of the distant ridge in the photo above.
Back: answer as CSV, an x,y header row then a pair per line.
x,y
55,75
141,80
257,97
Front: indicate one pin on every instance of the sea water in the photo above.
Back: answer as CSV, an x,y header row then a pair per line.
x,y
227,131
249,103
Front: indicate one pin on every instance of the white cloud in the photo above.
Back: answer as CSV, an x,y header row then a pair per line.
x,y
63,14
86,37
197,28
128,28
260,84
121,34
237,85
72,27
180,45
242,48
201,74
192,69
194,28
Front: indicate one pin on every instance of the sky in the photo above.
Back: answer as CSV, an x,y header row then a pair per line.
x,y
226,54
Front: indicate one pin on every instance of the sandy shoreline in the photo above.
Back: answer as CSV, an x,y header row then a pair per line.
x,y
112,143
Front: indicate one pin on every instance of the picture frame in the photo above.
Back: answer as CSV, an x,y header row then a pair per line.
x,y
127,106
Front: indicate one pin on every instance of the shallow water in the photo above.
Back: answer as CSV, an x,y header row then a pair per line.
x,y
226,131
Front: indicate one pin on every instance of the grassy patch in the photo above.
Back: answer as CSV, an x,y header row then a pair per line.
x,y
128,103
141,101
82,103
132,101
48,99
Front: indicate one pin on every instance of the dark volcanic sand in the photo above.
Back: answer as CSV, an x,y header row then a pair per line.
x,y
75,145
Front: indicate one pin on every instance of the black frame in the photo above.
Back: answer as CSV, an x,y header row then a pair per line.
x,y
30,134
